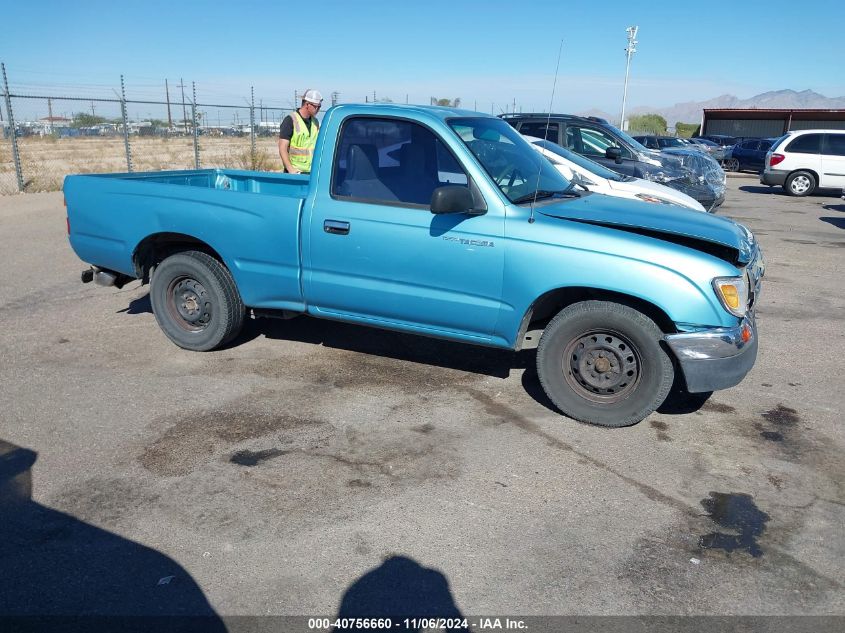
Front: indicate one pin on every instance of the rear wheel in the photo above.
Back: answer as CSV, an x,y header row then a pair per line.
x,y
602,362
801,183
195,301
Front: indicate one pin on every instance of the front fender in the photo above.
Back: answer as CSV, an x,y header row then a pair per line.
x,y
673,278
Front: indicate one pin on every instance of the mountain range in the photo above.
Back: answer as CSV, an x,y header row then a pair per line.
x,y
690,111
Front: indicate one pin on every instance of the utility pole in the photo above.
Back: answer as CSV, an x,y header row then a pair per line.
x,y
629,51
49,113
92,109
374,96
335,97
184,111
514,105
169,118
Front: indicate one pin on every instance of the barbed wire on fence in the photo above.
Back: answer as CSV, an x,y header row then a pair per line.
x,y
45,136
54,128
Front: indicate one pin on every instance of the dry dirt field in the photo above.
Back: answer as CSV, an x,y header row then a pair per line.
x,y
46,161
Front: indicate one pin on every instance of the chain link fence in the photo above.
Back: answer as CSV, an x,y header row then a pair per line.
x,y
44,138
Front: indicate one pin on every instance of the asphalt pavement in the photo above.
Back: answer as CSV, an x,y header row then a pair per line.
x,y
313,466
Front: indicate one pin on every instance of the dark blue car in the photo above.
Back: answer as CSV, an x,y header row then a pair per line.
x,y
749,155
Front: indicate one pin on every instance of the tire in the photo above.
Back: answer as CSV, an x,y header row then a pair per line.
x,y
731,164
638,372
196,302
800,183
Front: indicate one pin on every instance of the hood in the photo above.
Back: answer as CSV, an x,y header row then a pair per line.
x,y
718,236
639,185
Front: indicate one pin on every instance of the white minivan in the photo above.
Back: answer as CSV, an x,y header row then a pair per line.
x,y
802,161
599,179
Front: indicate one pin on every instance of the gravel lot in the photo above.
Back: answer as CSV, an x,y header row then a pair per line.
x,y
312,463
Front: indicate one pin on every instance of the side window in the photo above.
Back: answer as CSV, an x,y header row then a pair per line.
x,y
806,144
538,129
835,145
590,141
392,161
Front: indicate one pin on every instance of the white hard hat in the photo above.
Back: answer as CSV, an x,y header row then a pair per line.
x,y
313,96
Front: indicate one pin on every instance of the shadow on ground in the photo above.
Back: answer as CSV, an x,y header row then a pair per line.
x,y
62,574
487,361
839,223
397,589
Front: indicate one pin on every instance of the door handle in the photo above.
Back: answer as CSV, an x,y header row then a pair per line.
x,y
335,227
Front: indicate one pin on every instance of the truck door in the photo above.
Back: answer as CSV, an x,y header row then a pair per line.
x,y
374,251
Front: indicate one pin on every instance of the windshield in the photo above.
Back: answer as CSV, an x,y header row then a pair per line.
x,y
583,162
519,171
670,142
630,140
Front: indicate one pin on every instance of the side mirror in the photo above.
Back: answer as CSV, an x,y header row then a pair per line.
x,y
452,199
614,153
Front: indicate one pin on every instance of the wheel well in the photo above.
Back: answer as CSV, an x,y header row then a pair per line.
x,y
809,171
548,305
155,248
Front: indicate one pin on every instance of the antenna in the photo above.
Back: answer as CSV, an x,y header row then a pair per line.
x,y
546,132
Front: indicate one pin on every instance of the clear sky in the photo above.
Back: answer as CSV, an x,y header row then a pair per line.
x,y
489,54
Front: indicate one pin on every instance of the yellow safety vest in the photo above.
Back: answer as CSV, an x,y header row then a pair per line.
x,y
302,142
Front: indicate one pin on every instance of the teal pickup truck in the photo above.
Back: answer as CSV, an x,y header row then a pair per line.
x,y
446,223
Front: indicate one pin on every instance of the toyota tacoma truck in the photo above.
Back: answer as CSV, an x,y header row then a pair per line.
x,y
446,223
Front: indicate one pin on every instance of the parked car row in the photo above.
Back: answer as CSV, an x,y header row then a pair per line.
x,y
689,171
716,151
591,176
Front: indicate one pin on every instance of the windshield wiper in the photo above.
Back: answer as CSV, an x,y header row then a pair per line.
x,y
543,194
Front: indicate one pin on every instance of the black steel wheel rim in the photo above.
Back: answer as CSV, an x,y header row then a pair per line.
x,y
602,366
188,304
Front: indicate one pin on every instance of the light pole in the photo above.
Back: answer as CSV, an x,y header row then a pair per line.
x,y
629,50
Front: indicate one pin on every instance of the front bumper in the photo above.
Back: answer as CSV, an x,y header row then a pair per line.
x,y
717,358
773,177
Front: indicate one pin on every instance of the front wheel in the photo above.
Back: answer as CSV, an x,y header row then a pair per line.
x,y
602,362
731,164
195,301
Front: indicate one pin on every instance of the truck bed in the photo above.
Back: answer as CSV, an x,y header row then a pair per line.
x,y
287,185
252,219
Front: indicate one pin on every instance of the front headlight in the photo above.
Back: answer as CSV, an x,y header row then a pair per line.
x,y
733,294
646,197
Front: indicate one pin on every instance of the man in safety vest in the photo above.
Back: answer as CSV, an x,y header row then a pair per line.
x,y
298,134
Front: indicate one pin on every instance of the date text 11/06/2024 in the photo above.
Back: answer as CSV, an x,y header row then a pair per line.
x,y
416,624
